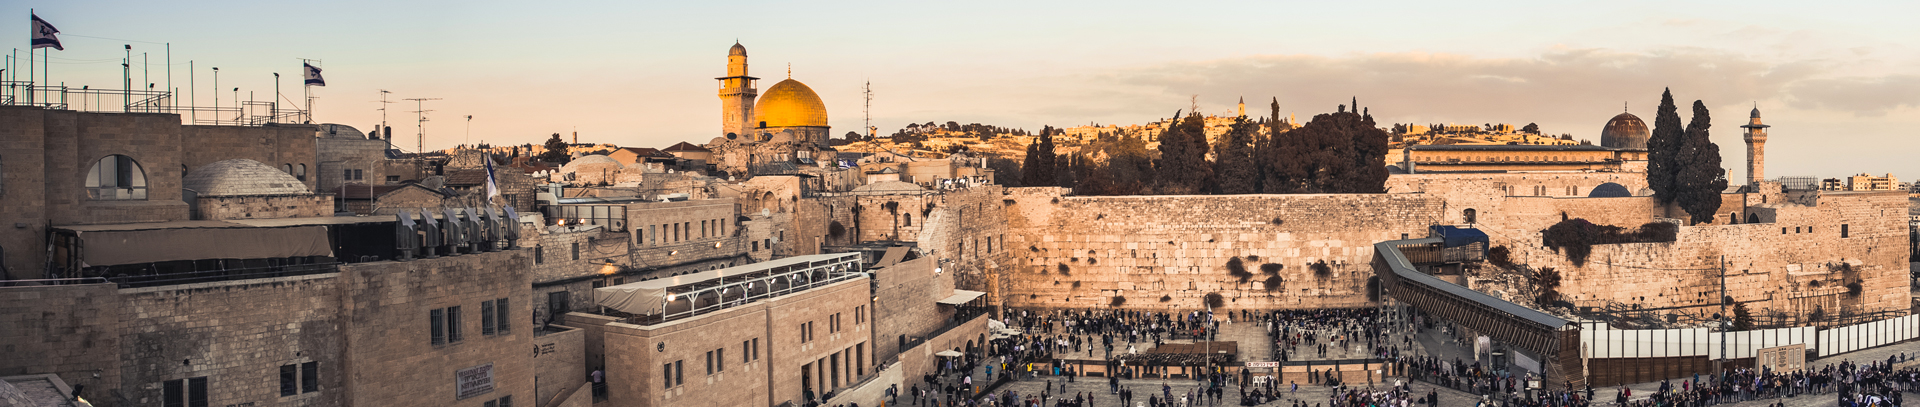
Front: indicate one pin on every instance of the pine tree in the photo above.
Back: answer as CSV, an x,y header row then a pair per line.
x,y
556,151
1698,178
1183,167
1233,160
1662,148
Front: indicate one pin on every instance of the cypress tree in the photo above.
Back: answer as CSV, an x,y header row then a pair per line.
x,y
1663,148
1233,160
1183,167
1698,179
1030,169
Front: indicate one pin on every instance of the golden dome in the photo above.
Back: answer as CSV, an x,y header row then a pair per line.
x,y
790,103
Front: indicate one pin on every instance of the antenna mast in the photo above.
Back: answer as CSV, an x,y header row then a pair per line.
x,y
421,104
868,91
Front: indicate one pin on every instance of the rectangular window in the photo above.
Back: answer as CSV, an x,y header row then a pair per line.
x,y
709,363
756,348
1843,231
539,254
576,250
557,305
860,359
666,375
453,324
720,360
803,333
501,324
289,379
746,351
173,393
679,372
197,392
756,245
438,320
309,377
506,401
486,318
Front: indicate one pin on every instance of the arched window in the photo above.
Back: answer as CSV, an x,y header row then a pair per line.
x,y
1468,215
301,173
116,177
908,221
286,168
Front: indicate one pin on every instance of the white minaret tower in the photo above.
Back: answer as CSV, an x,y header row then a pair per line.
x,y
1756,148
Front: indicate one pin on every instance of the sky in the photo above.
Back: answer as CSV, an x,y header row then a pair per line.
x,y
1838,81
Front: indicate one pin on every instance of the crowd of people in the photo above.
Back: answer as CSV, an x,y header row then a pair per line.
x,y
1047,338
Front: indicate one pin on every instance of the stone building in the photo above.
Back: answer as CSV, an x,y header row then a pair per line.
x,y
1623,148
782,331
72,168
242,189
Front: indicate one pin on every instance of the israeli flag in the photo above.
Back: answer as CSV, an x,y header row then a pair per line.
x,y
492,190
43,34
313,75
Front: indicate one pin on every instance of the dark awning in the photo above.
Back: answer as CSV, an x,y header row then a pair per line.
x,y
108,245
1451,236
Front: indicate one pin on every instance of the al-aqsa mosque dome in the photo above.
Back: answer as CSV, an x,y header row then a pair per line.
x,y
790,104
1625,131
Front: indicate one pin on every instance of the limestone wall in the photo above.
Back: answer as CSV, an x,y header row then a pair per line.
x,y
560,364
237,334
69,330
263,207
384,321
1144,247
906,310
1785,267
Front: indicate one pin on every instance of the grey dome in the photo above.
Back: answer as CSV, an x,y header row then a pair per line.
x,y
1625,131
1609,190
242,177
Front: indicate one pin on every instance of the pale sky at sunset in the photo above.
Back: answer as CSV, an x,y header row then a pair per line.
x,y
1838,81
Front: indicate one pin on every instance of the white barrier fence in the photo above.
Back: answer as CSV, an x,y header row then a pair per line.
x,y
1868,335
1601,341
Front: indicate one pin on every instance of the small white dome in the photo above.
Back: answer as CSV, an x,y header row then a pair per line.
x,y
242,177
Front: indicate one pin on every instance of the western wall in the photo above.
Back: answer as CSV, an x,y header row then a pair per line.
x,y
1083,252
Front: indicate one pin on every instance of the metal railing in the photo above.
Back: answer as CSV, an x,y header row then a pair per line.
x,y
85,99
207,276
707,296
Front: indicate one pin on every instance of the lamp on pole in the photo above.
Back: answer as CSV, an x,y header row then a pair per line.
x,y
216,94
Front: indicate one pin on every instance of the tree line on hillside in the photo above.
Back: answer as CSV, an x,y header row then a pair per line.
x,y
1339,152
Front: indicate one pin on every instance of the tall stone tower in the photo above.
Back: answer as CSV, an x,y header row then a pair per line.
x,y
1756,149
737,94
1243,106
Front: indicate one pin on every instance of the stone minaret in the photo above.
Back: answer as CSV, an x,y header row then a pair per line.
x,y
1756,149
1243,107
737,94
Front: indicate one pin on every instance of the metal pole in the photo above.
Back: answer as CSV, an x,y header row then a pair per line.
x,y
216,94
1726,320
193,92
276,95
126,81
172,99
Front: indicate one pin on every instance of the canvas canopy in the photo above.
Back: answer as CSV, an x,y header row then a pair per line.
x,y
108,245
961,297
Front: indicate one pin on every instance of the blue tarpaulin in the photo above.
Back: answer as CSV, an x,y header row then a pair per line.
x,y
1451,236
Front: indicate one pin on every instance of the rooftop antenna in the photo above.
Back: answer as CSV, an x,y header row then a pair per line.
x,y
421,138
868,91
383,108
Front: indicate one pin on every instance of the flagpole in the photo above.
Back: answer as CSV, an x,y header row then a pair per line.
x,y
172,97
30,71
